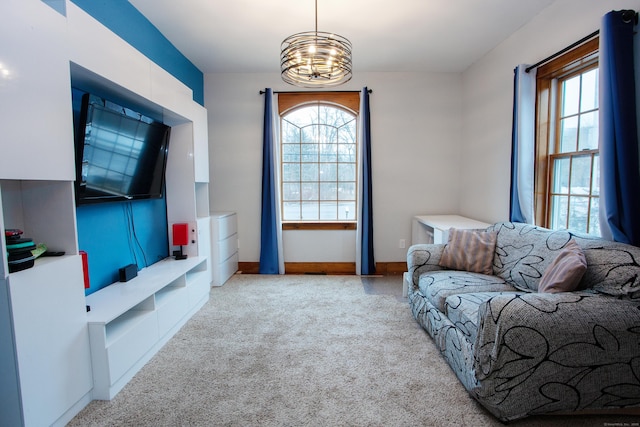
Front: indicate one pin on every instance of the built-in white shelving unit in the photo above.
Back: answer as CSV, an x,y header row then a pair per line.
x,y
49,366
130,321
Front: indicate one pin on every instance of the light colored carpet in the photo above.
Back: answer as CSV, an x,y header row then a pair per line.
x,y
302,351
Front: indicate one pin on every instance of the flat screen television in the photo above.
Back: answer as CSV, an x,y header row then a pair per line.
x,y
120,154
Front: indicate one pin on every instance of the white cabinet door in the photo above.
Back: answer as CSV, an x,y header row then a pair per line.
x,y
51,337
35,89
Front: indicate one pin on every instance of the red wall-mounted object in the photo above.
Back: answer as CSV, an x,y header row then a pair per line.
x,y
180,234
85,269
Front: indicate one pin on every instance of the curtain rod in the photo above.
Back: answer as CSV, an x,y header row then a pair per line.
x,y
311,91
560,52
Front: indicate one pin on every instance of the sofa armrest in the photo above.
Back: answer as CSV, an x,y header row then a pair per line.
x,y
540,341
422,258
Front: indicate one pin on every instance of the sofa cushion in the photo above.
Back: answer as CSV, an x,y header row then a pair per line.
x,y
523,252
612,268
469,250
436,286
462,311
566,270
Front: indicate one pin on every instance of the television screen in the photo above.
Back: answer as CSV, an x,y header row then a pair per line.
x,y
120,154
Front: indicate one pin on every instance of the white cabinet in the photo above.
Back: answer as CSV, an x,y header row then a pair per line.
x,y
45,320
435,228
224,246
37,131
130,321
45,355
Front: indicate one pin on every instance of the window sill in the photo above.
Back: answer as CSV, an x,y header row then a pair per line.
x,y
319,226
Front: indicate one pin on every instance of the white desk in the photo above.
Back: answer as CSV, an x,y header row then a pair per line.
x,y
435,228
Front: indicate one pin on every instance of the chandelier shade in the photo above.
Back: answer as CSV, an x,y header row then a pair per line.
x,y
315,59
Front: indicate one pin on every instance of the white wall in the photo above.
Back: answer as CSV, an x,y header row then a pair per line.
x,y
441,142
487,99
416,136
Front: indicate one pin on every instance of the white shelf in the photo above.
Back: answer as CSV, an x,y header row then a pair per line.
x,y
110,302
119,327
130,321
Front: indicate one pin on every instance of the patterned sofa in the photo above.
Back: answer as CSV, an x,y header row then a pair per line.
x,y
521,352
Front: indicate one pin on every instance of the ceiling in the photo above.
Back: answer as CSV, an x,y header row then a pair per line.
x,y
397,35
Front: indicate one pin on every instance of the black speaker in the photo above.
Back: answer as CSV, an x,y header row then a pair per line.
x,y
127,273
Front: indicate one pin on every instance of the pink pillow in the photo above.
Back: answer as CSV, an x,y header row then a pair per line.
x,y
469,250
566,271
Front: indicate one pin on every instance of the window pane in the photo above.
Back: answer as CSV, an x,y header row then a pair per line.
x,y
290,152
290,133
578,213
309,134
347,210
347,172
328,153
310,211
347,153
589,99
310,191
570,96
291,211
588,131
309,152
303,116
568,134
347,191
291,191
337,117
594,218
347,134
291,172
581,175
328,211
559,211
596,175
309,171
328,172
328,135
561,176
328,191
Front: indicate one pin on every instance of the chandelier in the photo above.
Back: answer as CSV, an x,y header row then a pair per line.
x,y
315,58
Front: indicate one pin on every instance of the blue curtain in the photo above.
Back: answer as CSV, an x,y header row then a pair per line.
x,y
523,146
619,161
269,262
367,262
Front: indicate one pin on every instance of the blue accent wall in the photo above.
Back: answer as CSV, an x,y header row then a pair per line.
x,y
127,22
116,234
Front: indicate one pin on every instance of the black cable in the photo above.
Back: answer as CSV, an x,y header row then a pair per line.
x,y
135,236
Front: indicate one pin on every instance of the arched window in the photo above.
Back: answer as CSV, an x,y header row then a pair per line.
x,y
319,152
